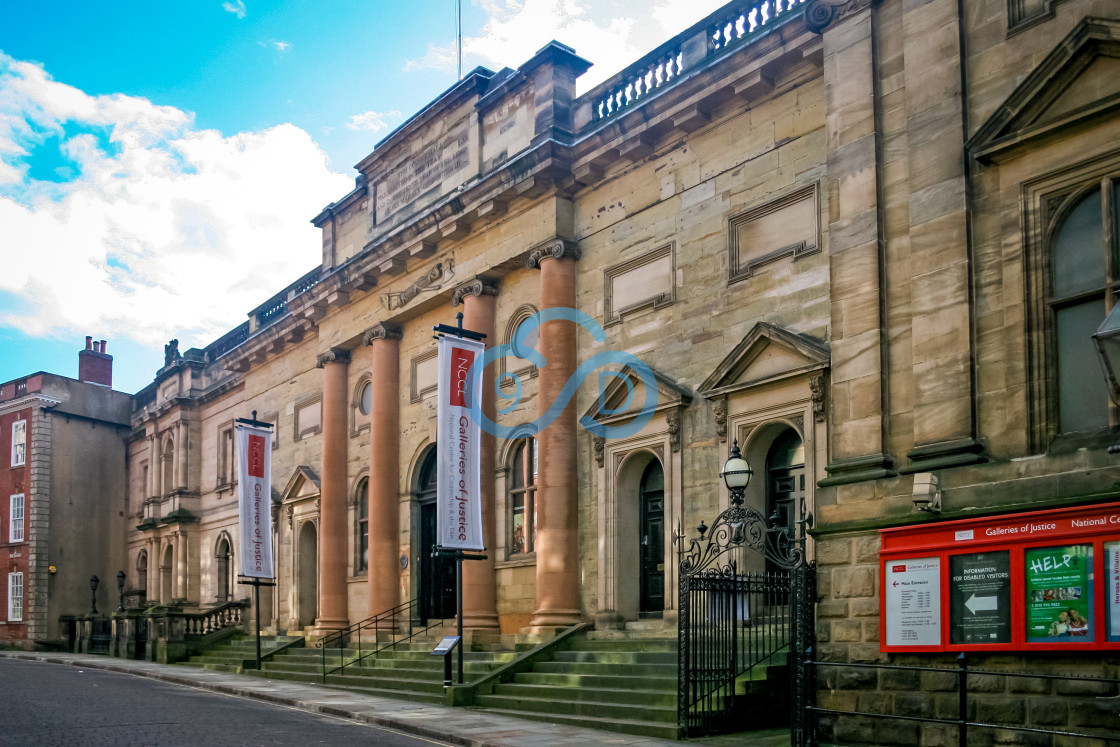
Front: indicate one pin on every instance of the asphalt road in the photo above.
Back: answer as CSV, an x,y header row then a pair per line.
x,y
49,704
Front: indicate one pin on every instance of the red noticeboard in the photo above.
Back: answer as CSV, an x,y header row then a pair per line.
x,y
1038,581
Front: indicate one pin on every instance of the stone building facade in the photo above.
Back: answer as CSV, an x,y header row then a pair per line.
x,y
62,482
867,241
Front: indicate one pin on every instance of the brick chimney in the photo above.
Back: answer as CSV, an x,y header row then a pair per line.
x,y
95,366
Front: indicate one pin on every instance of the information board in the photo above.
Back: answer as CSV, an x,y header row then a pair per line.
x,y
913,592
980,597
1112,600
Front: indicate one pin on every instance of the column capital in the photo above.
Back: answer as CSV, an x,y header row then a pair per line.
x,y
382,331
480,286
334,355
556,248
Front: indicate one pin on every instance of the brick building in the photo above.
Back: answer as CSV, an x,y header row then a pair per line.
x,y
62,470
868,241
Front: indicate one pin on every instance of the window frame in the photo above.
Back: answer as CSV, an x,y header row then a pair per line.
x,y
21,427
361,527
15,602
16,531
1047,202
226,476
300,433
528,491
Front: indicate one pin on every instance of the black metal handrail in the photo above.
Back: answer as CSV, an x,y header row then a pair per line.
x,y
393,621
962,721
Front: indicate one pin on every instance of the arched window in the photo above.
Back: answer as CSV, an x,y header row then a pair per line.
x,y
514,364
361,527
523,498
142,571
1084,276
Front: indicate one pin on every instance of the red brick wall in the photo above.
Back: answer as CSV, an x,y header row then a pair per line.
x,y
13,557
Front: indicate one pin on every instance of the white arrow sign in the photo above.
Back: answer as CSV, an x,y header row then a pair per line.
x,y
981,604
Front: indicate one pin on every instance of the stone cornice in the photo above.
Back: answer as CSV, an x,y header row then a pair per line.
x,y
556,248
334,355
381,331
30,400
820,14
480,286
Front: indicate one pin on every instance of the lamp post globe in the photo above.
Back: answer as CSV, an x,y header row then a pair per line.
x,y
736,474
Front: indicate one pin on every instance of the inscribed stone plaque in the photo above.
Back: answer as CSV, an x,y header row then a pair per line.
x,y
423,172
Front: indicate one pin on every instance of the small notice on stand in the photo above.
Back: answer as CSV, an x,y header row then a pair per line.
x,y
445,645
913,599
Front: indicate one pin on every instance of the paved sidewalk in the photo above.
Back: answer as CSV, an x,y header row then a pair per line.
x,y
470,727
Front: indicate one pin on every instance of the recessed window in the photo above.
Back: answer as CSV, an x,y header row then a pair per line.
x,y
361,544
226,463
15,597
522,498
309,418
365,398
19,443
1080,298
15,518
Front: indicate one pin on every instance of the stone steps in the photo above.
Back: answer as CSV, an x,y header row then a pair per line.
x,y
637,728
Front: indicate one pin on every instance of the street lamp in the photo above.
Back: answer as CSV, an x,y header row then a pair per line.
x,y
120,590
1107,339
93,582
736,474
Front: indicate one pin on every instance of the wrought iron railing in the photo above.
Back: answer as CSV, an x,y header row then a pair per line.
x,y
214,619
365,639
663,66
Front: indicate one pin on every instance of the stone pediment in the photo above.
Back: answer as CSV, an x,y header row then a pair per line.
x,y
766,354
621,400
1077,84
304,483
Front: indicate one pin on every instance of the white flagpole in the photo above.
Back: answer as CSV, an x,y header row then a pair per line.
x,y
459,34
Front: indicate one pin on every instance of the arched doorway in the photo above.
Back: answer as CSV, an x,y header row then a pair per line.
x,y
222,556
651,528
785,482
308,574
142,576
437,575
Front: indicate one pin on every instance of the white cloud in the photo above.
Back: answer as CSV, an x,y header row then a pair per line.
x,y
166,231
238,8
283,46
371,121
609,34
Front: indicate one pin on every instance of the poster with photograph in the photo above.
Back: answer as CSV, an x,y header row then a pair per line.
x,y
1059,593
1112,599
980,597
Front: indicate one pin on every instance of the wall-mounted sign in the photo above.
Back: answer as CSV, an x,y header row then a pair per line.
x,y
913,593
1004,583
980,597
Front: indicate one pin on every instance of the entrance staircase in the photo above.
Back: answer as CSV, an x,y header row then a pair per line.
x,y
614,680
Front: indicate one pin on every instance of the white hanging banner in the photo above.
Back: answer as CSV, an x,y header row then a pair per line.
x,y
459,484
254,500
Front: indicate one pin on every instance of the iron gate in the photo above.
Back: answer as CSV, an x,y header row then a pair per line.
x,y
100,635
743,636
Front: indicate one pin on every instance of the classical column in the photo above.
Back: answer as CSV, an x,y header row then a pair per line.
x,y
153,467
332,510
557,526
176,457
153,570
383,572
480,595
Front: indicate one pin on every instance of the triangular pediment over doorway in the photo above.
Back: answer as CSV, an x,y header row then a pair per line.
x,y
304,483
623,395
1076,85
766,354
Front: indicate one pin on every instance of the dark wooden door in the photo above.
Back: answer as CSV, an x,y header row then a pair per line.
x,y
437,575
652,524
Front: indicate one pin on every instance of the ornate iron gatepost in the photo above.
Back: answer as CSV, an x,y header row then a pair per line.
x,y
742,636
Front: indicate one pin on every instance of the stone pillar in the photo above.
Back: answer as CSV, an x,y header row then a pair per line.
x,y
940,303
153,570
557,494
480,594
855,234
176,457
181,452
383,572
181,565
153,467
333,614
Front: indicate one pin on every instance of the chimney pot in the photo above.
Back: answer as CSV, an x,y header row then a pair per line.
x,y
103,344
89,342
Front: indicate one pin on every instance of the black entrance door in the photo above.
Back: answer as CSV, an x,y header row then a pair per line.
x,y
437,575
652,524
785,482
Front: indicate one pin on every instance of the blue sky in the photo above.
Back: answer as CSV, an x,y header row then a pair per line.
x,y
159,162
